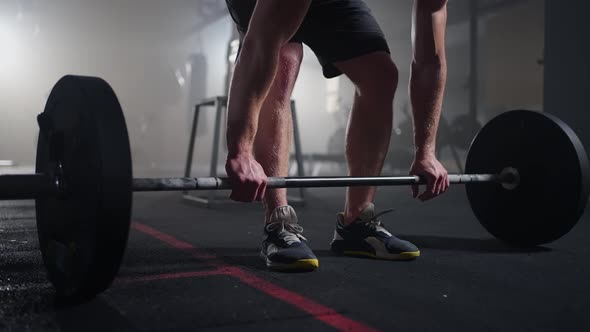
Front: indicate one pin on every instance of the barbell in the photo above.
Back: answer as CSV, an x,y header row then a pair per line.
x,y
527,182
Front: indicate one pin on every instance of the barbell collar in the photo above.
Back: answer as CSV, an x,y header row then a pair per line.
x,y
27,186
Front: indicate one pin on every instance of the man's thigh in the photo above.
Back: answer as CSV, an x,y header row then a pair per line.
x,y
336,30
341,30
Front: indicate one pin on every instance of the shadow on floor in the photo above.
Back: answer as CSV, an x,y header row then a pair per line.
x,y
488,245
96,315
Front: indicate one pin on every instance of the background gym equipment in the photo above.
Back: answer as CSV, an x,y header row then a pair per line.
x,y
528,183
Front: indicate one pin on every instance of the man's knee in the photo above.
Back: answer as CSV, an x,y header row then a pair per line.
x,y
379,81
290,59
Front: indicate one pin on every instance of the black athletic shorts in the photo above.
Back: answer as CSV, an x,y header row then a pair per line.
x,y
336,30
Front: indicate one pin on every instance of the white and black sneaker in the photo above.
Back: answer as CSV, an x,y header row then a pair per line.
x,y
284,247
367,237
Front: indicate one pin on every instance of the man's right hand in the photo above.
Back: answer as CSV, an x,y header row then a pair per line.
x,y
247,178
437,178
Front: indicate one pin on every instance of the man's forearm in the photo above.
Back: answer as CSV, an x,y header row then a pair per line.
x,y
428,73
253,77
427,85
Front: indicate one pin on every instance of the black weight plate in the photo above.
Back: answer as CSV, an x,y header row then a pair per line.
x,y
83,232
554,172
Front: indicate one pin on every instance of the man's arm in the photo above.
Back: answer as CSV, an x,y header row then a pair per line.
x,y
429,71
427,85
271,26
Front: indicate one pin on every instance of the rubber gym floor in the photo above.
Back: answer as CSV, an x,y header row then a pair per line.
x,y
189,268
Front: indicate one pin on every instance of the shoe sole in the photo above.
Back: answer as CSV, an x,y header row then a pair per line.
x,y
404,256
300,265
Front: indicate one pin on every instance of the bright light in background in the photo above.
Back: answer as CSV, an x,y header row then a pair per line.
x,y
180,77
181,80
8,47
188,67
234,47
333,95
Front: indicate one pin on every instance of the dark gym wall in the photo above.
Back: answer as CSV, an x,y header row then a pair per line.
x,y
567,67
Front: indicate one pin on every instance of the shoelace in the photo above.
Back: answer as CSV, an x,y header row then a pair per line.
x,y
290,233
375,223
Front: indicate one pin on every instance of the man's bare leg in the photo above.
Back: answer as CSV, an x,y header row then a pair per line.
x,y
275,126
369,128
284,248
272,25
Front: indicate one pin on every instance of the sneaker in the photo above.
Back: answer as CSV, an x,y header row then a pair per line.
x,y
367,237
285,247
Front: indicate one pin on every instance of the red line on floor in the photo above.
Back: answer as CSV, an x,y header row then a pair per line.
x,y
178,244
319,311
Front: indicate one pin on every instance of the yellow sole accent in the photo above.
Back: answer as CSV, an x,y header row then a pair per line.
x,y
300,265
400,257
411,254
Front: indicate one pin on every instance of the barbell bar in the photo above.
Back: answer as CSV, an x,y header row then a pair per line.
x,y
527,181
32,186
214,183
